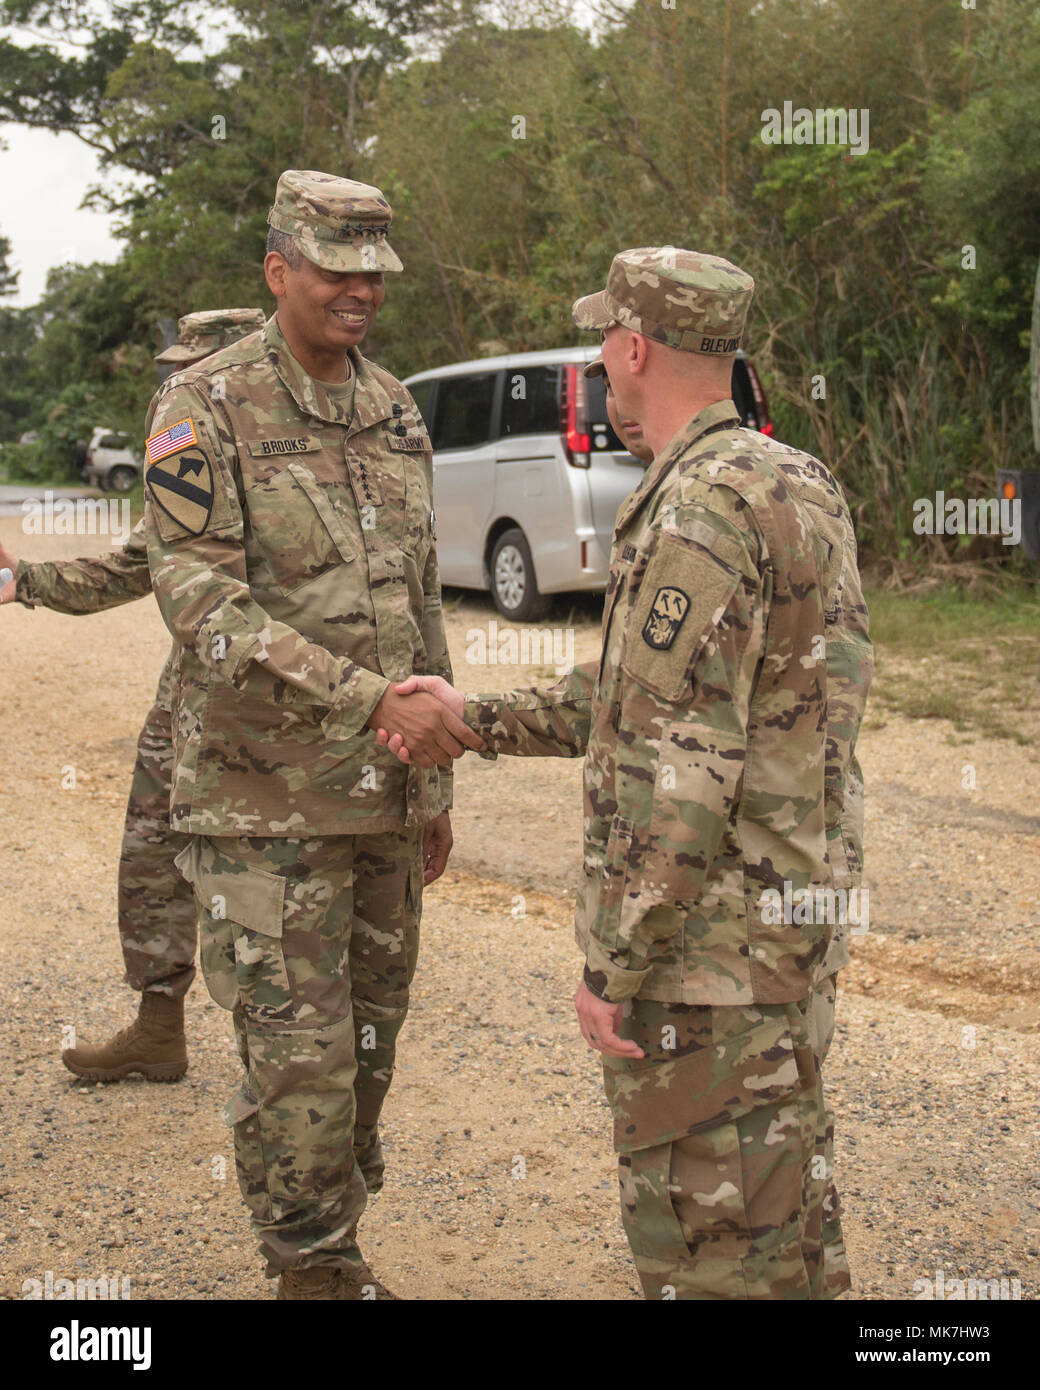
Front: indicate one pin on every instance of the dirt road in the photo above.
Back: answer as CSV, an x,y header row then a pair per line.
x,y
500,1177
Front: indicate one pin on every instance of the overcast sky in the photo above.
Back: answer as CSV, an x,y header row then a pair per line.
x,y
43,178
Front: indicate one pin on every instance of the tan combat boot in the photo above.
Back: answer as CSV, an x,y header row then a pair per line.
x,y
360,1284
355,1283
153,1045
318,1281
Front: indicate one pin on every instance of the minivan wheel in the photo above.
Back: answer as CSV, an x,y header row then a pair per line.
x,y
121,480
513,584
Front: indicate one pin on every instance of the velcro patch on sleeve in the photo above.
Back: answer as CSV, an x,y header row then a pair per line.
x,y
684,596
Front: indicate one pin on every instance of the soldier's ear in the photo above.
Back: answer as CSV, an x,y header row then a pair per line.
x,y
276,269
638,351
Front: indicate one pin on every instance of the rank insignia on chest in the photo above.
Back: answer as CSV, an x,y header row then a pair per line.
x,y
665,618
182,487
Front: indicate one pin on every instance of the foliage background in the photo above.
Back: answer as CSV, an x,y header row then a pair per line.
x,y
642,125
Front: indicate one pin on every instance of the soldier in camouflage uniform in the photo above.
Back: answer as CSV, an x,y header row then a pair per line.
x,y
719,730
289,526
156,906
157,910
836,1276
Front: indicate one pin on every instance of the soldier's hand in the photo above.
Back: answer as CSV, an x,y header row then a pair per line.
x,y
433,685
599,1022
437,841
427,729
7,586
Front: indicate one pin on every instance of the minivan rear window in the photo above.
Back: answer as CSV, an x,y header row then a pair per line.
x,y
531,401
421,396
603,437
463,412
743,396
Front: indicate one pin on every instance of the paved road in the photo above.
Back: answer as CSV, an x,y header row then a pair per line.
x,y
12,495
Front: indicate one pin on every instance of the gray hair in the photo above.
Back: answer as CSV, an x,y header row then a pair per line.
x,y
283,243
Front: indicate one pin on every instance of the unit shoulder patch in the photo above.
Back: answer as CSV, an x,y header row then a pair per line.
x,y
182,488
666,616
185,479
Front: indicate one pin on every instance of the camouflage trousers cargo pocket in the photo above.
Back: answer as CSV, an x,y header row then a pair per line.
x,y
241,911
716,1133
293,1121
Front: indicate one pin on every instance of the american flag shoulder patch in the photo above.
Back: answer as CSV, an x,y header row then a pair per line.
x,y
170,441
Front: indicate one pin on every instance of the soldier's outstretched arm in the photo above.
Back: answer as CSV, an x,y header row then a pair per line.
x,y
87,585
540,721
543,721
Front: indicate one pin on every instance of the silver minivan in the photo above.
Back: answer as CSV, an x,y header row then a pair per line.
x,y
528,475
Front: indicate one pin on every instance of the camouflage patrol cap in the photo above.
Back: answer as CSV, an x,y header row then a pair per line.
x,y
337,223
684,299
200,334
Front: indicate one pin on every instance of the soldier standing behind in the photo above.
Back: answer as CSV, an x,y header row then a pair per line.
x,y
157,930
719,730
290,541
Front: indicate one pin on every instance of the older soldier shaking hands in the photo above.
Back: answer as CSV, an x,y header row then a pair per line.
x,y
291,551
719,729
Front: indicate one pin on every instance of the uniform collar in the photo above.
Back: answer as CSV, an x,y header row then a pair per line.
x,y
711,417
372,402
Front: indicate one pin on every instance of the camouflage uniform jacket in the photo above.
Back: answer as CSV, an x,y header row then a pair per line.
x,y
91,585
292,557
720,730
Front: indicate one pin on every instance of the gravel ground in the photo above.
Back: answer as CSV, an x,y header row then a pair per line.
x,y
500,1176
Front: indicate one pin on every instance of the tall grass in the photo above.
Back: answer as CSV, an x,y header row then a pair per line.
x,y
898,423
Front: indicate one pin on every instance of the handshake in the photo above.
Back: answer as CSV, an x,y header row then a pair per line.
x,y
420,720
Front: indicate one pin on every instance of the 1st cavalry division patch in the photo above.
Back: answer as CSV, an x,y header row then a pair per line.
x,y
180,478
665,618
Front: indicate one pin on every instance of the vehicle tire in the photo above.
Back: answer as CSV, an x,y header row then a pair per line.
x,y
120,480
513,586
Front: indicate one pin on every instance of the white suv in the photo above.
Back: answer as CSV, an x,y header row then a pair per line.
x,y
528,475
111,464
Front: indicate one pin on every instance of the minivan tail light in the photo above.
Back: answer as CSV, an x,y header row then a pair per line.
x,y
574,430
761,404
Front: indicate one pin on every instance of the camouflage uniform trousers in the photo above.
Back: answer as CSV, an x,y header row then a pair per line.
x,y
312,943
724,1150
836,1275
157,917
